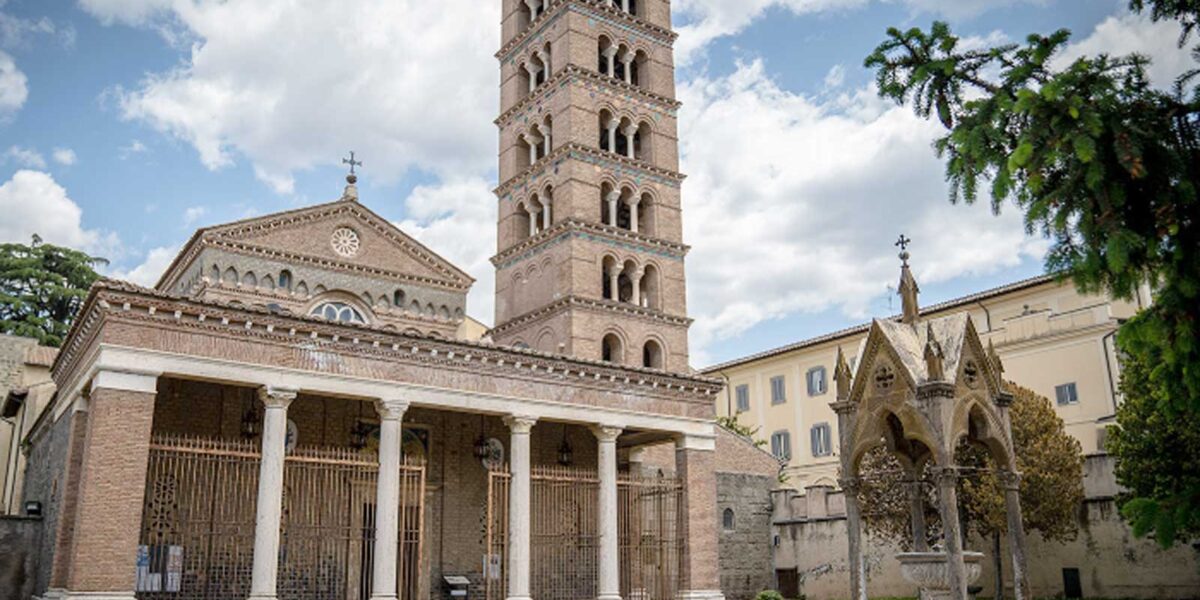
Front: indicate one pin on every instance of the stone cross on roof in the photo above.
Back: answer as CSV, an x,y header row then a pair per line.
x,y
351,192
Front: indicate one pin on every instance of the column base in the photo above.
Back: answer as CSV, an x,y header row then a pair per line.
x,y
519,598
609,597
700,595
384,596
69,595
254,596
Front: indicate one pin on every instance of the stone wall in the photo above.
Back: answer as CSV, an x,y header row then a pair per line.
x,y
1112,563
745,547
19,541
44,480
12,367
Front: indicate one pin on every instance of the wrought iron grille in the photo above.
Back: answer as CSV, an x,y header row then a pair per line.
x,y
564,521
199,513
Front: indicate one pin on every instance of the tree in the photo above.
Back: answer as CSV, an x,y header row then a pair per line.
x,y
42,288
1160,460
1049,460
1100,161
732,424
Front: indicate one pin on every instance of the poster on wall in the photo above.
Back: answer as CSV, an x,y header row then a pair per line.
x,y
159,569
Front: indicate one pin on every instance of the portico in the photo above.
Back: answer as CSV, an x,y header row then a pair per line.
x,y
170,375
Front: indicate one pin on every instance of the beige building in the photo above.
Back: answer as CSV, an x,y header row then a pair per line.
x,y
25,390
1052,339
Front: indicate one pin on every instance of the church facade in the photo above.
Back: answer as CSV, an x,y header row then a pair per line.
x,y
291,414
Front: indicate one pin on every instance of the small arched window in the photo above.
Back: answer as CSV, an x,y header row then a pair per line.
x,y
339,312
285,280
727,519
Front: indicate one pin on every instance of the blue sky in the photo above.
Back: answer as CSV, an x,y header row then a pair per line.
x,y
125,124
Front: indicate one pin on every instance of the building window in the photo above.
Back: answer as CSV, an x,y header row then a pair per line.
x,y
285,280
1066,394
743,398
727,519
778,390
337,311
816,381
822,440
781,445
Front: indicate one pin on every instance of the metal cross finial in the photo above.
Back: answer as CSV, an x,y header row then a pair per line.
x,y
902,244
353,163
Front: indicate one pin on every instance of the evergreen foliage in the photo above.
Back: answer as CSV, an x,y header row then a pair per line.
x,y
42,288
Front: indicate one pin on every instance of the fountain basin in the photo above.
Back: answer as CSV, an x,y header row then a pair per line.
x,y
929,572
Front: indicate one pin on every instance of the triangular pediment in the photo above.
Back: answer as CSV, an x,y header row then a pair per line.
x,y
342,235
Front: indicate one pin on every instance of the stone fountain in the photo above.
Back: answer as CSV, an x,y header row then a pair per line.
x,y
928,571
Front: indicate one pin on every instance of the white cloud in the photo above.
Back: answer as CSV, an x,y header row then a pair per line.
x,y
32,202
1136,34
293,84
812,193
193,214
25,157
706,20
147,273
835,77
134,147
65,156
457,219
14,88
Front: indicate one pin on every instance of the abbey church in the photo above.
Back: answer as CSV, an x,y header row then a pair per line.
x,y
295,411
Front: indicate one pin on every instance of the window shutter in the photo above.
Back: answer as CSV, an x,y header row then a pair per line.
x,y
815,434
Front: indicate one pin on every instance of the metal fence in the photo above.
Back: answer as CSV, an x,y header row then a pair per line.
x,y
564,536
199,513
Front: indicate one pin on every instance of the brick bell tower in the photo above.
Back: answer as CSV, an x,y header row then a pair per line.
x,y
591,257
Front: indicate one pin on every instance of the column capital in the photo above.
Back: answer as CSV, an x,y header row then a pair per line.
x,y
631,129
611,51
842,408
606,433
520,424
276,397
391,409
544,129
627,58
613,196
850,485
944,475
1010,481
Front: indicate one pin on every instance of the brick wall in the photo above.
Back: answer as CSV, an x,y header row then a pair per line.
x,y
44,482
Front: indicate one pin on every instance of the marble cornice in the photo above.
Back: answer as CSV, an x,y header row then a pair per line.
x,y
593,156
575,229
596,9
572,73
113,301
607,306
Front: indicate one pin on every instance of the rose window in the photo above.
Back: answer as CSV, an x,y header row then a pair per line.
x,y
345,242
339,312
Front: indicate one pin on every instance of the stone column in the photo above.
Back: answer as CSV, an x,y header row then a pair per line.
x,y
533,71
533,142
858,574
519,494
387,499
637,287
629,133
699,568
917,508
850,486
613,126
947,480
545,58
614,197
1016,534
112,485
264,580
547,144
610,53
625,5
610,570
614,280
633,214
628,60
547,218
533,222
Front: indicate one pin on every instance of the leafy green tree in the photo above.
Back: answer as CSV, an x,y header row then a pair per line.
x,y
1099,160
1049,460
42,288
751,433
1159,460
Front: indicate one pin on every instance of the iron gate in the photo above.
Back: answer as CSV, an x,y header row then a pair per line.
x,y
197,540
564,541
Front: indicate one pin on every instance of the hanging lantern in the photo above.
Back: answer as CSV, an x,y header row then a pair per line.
x,y
566,454
359,435
482,449
250,423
